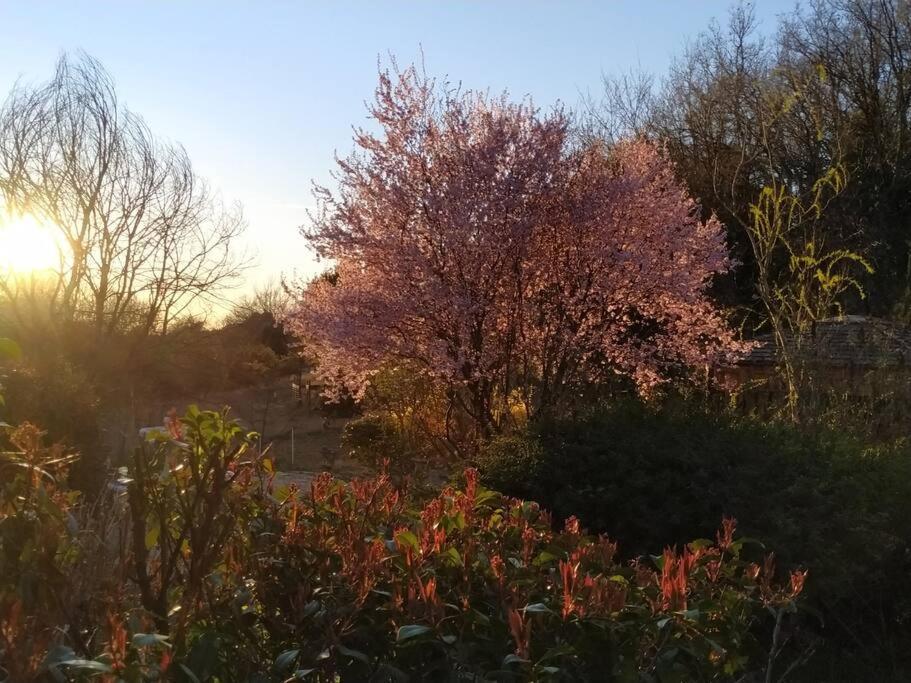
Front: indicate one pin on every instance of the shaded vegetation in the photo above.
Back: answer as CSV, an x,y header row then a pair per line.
x,y
220,580
651,476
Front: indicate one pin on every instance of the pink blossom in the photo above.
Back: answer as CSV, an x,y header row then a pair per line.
x,y
471,240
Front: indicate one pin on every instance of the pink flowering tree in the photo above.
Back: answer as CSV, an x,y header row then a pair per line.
x,y
467,238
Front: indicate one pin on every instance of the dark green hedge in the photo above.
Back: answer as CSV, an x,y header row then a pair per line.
x,y
650,477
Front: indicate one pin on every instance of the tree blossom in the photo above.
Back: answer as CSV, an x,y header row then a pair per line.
x,y
468,238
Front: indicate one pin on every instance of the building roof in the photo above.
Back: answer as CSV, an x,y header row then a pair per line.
x,y
852,340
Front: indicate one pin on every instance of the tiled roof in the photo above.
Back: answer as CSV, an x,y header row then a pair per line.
x,y
852,340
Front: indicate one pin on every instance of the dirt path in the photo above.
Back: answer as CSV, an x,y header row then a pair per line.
x,y
301,478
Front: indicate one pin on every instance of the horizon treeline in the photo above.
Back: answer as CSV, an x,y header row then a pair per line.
x,y
741,109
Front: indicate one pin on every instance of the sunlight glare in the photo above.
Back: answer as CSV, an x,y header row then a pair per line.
x,y
27,245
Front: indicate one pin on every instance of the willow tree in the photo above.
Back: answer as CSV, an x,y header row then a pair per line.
x,y
142,237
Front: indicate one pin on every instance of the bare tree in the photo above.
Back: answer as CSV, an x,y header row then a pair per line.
x,y
757,128
143,238
625,108
272,299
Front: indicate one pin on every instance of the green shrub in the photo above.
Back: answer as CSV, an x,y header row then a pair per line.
x,y
58,574
61,399
33,547
9,350
652,477
358,581
517,464
377,442
472,586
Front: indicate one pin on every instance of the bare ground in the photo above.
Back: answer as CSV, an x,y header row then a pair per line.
x,y
269,410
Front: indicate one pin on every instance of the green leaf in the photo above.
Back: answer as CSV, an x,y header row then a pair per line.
x,y
87,665
543,558
57,655
152,536
354,654
286,659
700,543
149,639
480,617
408,538
537,608
514,659
749,540
452,557
411,631
193,677
484,495
311,608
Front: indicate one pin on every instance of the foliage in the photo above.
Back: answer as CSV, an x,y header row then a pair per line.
x,y
649,477
61,398
34,541
364,587
61,573
783,228
414,403
747,107
405,424
190,496
517,464
375,441
8,350
359,580
94,394
181,528
471,240
799,281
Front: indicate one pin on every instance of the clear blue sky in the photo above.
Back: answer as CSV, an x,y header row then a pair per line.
x,y
262,94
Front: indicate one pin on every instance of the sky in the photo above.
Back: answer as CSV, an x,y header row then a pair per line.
x,y
264,94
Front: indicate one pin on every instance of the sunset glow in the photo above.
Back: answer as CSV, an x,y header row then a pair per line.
x,y
27,245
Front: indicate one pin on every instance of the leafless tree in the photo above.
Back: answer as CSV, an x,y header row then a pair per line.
x,y
142,237
272,298
624,108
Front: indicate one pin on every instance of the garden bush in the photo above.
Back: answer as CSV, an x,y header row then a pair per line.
x,y
475,586
61,399
226,580
56,582
375,441
651,476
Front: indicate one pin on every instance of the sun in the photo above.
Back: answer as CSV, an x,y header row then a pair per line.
x,y
27,245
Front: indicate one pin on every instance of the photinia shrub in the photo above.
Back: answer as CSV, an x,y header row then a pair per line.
x,y
368,581
364,586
